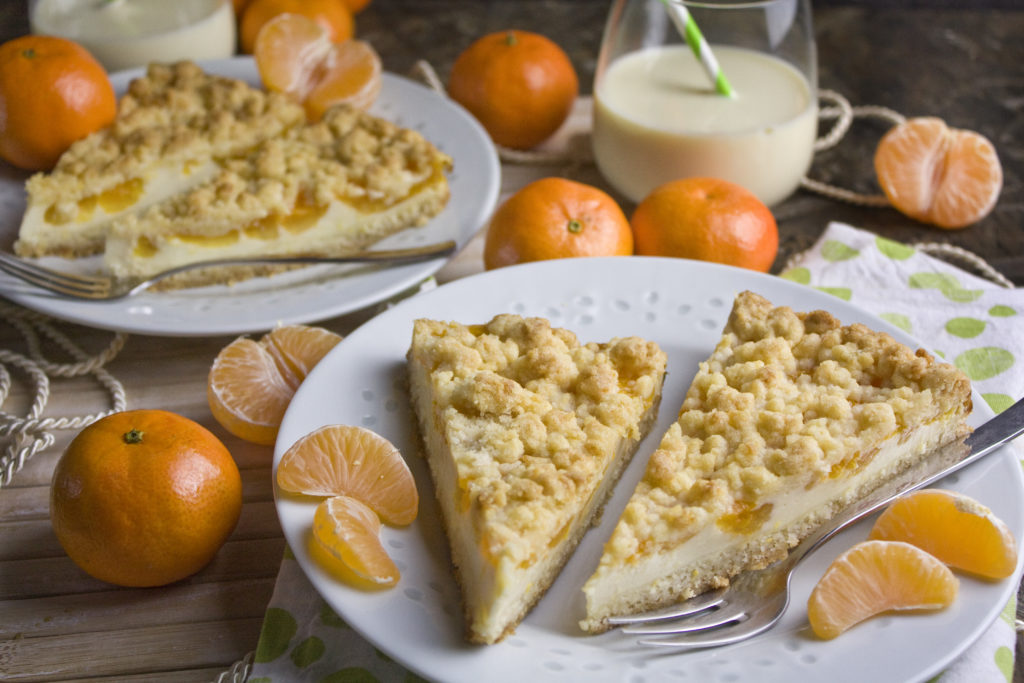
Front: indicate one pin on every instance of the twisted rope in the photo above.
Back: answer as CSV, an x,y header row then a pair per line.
x,y
24,436
845,116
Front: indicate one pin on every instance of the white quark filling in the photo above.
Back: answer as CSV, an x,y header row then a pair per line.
x,y
617,589
159,183
339,229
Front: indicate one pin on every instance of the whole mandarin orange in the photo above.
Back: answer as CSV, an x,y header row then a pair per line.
x,y
52,93
520,86
556,218
709,220
144,498
356,6
333,15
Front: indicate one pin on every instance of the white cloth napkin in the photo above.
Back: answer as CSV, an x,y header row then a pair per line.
x,y
967,320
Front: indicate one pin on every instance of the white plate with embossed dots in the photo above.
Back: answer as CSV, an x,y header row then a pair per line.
x,y
681,305
300,296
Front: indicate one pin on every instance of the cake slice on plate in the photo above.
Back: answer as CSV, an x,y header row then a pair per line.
x,y
526,431
327,188
173,128
793,417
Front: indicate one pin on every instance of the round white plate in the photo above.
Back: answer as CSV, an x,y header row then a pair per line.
x,y
303,295
681,305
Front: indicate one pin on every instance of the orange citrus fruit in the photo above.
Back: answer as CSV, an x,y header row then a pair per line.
x,y
342,460
295,55
520,86
953,527
556,218
144,498
709,220
52,93
349,531
939,175
875,577
333,15
356,6
252,382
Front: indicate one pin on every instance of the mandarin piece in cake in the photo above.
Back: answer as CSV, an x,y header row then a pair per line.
x,y
173,127
526,431
791,419
327,188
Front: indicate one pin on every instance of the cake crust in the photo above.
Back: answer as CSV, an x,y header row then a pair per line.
x,y
789,407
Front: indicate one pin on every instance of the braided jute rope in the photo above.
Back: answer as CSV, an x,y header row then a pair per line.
x,y
24,436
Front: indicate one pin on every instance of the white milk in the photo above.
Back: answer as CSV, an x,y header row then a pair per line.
x,y
656,119
129,33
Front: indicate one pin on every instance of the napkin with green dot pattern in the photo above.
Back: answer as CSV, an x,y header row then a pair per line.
x,y
967,319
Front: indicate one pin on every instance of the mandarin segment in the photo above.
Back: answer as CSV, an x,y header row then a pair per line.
x,y
343,460
939,175
350,532
251,383
333,15
875,577
953,527
295,55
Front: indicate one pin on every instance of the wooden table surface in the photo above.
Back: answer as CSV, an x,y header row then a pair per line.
x,y
56,623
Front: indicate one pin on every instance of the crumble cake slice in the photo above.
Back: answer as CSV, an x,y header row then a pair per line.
x,y
174,127
792,418
526,431
326,188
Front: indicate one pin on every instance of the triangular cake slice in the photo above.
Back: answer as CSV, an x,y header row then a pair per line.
x,y
526,431
174,126
327,188
792,418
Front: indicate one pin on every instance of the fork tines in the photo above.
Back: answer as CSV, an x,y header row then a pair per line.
x,y
54,280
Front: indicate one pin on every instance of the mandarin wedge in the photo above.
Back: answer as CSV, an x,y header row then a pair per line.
x,y
295,55
953,527
349,531
342,460
875,577
939,175
252,382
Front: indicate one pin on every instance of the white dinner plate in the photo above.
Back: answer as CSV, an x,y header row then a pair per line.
x,y
681,305
303,295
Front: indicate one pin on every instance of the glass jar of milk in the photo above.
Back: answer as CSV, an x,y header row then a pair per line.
x,y
658,116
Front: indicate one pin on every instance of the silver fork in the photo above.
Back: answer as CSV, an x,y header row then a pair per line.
x,y
101,288
755,600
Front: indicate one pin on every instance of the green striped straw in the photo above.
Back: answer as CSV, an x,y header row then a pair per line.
x,y
683,20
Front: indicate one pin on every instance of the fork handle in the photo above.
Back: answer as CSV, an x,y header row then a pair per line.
x,y
1001,429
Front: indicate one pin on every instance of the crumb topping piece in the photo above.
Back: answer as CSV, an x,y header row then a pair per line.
x,y
173,113
785,400
349,156
533,417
